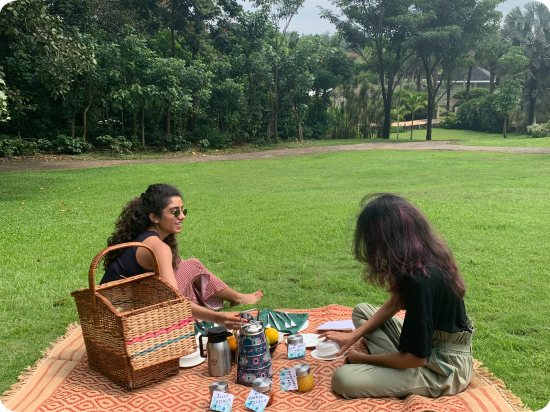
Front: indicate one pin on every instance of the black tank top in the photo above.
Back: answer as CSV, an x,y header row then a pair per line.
x,y
126,264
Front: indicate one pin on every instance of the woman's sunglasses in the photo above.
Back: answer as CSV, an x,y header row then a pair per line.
x,y
176,212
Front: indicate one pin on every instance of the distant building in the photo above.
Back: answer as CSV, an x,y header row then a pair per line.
x,y
480,78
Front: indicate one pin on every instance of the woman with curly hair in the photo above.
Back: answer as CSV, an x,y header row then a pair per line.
x,y
154,219
429,352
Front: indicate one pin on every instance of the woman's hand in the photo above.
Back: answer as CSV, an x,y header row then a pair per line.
x,y
230,320
345,340
357,357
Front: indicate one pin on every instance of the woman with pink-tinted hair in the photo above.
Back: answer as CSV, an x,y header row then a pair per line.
x,y
429,352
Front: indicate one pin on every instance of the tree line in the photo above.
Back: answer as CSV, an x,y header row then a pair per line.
x,y
164,73
171,73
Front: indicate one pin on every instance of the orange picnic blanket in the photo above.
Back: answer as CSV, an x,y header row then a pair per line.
x,y
64,382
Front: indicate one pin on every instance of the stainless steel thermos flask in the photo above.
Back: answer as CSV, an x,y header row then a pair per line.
x,y
218,352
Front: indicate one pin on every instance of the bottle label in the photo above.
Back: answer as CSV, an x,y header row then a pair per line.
x,y
221,402
288,379
256,401
297,351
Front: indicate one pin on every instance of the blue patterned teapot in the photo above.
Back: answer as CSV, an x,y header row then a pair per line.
x,y
253,357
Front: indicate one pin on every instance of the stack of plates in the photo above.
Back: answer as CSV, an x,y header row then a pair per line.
x,y
326,350
194,358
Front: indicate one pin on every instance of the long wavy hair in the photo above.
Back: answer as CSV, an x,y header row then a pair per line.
x,y
393,239
134,220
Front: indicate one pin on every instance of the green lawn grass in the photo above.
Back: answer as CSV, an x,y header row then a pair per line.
x,y
470,138
284,226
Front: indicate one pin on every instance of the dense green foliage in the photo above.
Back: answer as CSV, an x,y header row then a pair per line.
x,y
539,130
481,115
474,94
450,121
176,73
530,29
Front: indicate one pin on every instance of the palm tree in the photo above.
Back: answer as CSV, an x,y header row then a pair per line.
x,y
413,102
531,31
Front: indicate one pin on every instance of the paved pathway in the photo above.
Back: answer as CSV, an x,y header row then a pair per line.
x,y
433,145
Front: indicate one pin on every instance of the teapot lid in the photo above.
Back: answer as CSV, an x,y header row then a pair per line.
x,y
217,334
253,328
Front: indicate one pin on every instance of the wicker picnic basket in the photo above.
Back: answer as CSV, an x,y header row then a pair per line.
x,y
136,329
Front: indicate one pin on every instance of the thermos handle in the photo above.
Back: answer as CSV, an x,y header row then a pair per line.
x,y
202,351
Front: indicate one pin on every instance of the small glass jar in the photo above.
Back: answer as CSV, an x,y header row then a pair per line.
x,y
263,385
221,386
293,340
304,377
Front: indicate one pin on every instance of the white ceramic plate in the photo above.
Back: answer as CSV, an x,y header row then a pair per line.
x,y
194,360
304,327
328,358
310,339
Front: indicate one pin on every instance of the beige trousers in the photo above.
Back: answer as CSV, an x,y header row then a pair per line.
x,y
448,371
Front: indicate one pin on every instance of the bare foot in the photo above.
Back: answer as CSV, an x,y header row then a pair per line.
x,y
248,299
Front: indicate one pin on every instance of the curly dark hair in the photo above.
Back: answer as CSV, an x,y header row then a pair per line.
x,y
134,220
393,239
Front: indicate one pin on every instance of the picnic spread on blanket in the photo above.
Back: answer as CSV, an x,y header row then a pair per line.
x,y
144,350
63,381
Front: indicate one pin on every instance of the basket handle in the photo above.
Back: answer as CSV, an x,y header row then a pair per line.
x,y
95,262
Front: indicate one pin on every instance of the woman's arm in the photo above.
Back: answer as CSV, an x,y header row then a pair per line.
x,y
345,340
230,320
397,360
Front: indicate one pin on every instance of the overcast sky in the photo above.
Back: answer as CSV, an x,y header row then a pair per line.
x,y
307,21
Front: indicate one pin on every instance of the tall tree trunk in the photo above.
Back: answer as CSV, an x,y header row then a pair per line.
x,y
492,77
431,105
18,129
449,88
276,102
143,126
168,123
532,97
135,124
293,109
504,129
412,124
91,94
122,120
173,39
273,112
470,69
387,119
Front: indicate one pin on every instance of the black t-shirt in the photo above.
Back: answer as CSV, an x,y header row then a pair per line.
x,y
430,305
126,264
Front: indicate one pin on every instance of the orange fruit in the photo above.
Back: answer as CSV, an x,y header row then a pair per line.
x,y
272,335
232,343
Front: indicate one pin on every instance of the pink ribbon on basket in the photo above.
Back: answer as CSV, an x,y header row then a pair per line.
x,y
179,325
